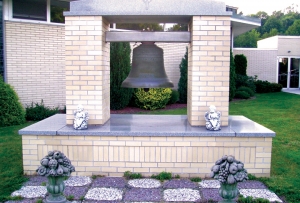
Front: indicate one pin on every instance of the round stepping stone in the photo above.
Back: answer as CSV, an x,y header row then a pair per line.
x,y
209,184
78,181
104,194
177,195
31,192
144,183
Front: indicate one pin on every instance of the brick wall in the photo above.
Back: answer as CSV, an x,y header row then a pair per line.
x,y
113,155
208,67
35,60
261,62
87,67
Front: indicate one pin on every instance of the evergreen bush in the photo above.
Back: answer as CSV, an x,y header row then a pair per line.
x,y
38,112
242,95
174,97
240,61
119,70
246,89
232,87
155,98
182,84
245,81
266,86
12,111
276,87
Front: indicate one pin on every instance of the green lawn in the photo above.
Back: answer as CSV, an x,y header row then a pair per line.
x,y
11,167
279,112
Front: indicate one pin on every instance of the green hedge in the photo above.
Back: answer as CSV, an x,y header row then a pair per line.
x,y
37,112
242,95
155,98
245,81
12,111
246,89
266,86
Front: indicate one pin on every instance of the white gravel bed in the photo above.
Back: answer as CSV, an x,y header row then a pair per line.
x,y
144,183
209,184
104,194
181,195
260,193
78,181
31,192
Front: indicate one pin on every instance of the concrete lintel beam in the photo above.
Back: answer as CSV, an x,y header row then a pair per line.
x,y
171,37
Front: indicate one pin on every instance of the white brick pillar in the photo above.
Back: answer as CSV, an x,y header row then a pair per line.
x,y
87,67
208,67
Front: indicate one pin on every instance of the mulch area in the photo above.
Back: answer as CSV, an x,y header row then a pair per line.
x,y
134,110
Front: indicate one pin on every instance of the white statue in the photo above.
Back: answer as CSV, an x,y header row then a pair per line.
x,y
80,118
213,119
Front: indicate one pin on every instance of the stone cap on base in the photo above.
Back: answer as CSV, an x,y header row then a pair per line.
x,y
148,125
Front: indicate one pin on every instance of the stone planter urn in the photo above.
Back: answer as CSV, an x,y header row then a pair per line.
x,y
56,167
228,192
229,171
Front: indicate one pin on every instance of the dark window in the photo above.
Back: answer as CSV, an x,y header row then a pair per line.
x,y
1,43
57,9
30,9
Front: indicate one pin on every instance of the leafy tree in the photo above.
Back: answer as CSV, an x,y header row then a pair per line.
x,y
119,70
179,27
289,19
272,23
276,24
294,29
140,26
272,33
248,39
182,84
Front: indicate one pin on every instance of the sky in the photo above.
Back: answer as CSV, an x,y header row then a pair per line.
x,y
253,6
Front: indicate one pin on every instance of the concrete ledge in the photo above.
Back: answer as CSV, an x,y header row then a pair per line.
x,y
148,125
139,11
183,37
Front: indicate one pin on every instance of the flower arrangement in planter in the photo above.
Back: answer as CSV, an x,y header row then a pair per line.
x,y
229,171
55,166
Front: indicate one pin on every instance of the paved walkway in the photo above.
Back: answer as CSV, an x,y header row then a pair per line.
x,y
292,90
117,189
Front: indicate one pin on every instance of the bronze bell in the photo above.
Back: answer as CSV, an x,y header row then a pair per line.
x,y
148,69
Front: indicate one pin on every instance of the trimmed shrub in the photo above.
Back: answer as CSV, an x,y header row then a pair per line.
x,y
242,95
232,87
245,81
37,112
119,70
174,97
276,87
262,86
182,84
266,86
12,111
246,89
155,98
240,61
